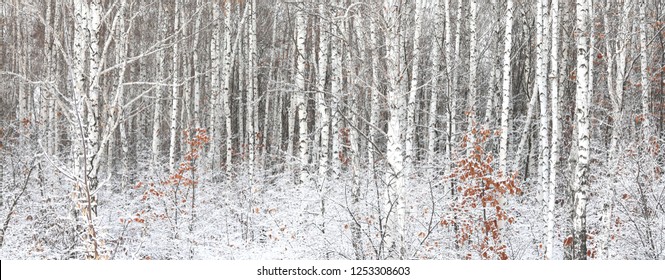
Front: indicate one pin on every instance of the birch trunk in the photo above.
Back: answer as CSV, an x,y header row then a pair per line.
x,y
157,115
84,124
581,183
175,98
621,46
375,94
300,97
336,95
120,56
436,65
216,112
543,132
253,102
473,72
410,145
505,93
647,129
323,119
395,209
556,129
452,90
226,89
197,69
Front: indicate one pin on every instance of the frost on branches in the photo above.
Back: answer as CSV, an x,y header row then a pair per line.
x,y
478,216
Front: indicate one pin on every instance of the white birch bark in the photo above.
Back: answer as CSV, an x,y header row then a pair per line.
x,y
436,65
270,123
336,95
473,72
84,124
94,88
323,119
242,92
556,129
543,132
505,101
215,119
197,68
495,62
175,98
253,102
375,93
156,120
505,89
226,89
410,145
452,86
395,209
581,183
621,47
303,139
647,128
121,36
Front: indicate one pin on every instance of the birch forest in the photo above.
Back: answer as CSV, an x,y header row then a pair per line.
x,y
332,129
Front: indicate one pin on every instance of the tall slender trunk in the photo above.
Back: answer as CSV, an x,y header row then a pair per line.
x,y
335,97
436,65
271,124
300,97
647,129
121,50
543,132
556,128
375,94
197,67
226,89
175,98
323,117
216,109
252,99
395,208
581,180
410,143
621,47
85,110
505,93
157,115
473,72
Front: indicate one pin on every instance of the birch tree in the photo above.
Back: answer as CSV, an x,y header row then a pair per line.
x,y
436,65
395,208
581,179
644,72
226,89
253,101
323,119
473,72
216,57
85,110
410,145
175,95
505,92
543,132
161,65
301,34
556,129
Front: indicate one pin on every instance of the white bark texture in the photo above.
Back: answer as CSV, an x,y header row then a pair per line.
x,y
394,206
556,128
301,94
581,179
